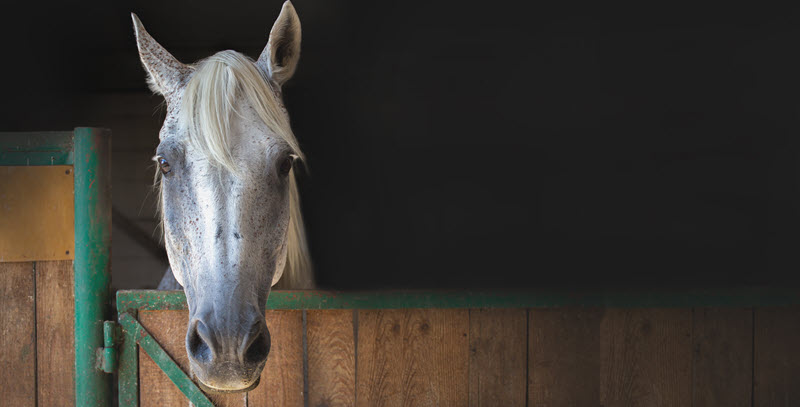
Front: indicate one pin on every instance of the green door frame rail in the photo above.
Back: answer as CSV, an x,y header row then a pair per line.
x,y
92,263
88,150
130,302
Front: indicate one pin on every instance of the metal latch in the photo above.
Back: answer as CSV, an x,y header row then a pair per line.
x,y
108,357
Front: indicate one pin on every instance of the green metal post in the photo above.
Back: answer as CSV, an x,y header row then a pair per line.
x,y
128,379
92,262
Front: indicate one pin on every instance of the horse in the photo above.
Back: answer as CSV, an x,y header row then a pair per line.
x,y
228,197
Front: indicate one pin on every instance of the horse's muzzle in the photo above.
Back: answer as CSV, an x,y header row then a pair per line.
x,y
226,358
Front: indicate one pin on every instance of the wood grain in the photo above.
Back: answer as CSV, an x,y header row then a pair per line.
x,y
412,357
331,358
55,333
37,214
497,357
646,357
777,361
612,357
17,338
722,342
282,379
169,330
564,357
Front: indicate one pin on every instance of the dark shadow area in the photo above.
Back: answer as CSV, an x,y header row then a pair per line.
x,y
462,144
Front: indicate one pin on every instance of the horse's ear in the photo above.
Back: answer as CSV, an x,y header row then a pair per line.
x,y
165,73
279,58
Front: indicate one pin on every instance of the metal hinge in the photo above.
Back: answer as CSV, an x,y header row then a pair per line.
x,y
108,356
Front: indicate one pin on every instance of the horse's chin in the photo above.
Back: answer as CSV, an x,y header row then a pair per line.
x,y
224,382
213,390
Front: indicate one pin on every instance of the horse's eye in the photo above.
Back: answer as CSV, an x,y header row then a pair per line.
x,y
286,165
163,165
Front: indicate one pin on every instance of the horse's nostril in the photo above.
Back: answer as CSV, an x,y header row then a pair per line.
x,y
256,352
198,343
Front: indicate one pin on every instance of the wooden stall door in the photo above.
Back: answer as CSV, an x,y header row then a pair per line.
x,y
36,334
36,286
409,357
510,357
17,335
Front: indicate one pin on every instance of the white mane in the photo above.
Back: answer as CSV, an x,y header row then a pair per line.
x,y
207,108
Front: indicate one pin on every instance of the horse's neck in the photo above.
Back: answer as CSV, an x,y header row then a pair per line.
x,y
168,282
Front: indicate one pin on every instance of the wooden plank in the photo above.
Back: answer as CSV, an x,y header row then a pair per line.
x,y
168,328
646,357
497,349
37,213
613,357
564,356
55,332
17,338
722,341
331,358
777,360
412,357
282,379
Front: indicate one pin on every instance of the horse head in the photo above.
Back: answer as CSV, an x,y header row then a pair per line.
x,y
228,198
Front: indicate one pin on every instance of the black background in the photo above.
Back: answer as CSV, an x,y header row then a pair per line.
x,y
474,144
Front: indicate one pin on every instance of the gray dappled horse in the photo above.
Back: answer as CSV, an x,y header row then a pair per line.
x,y
228,198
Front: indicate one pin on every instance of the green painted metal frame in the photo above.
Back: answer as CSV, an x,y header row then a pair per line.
x,y
92,265
130,302
39,148
128,371
551,297
88,150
